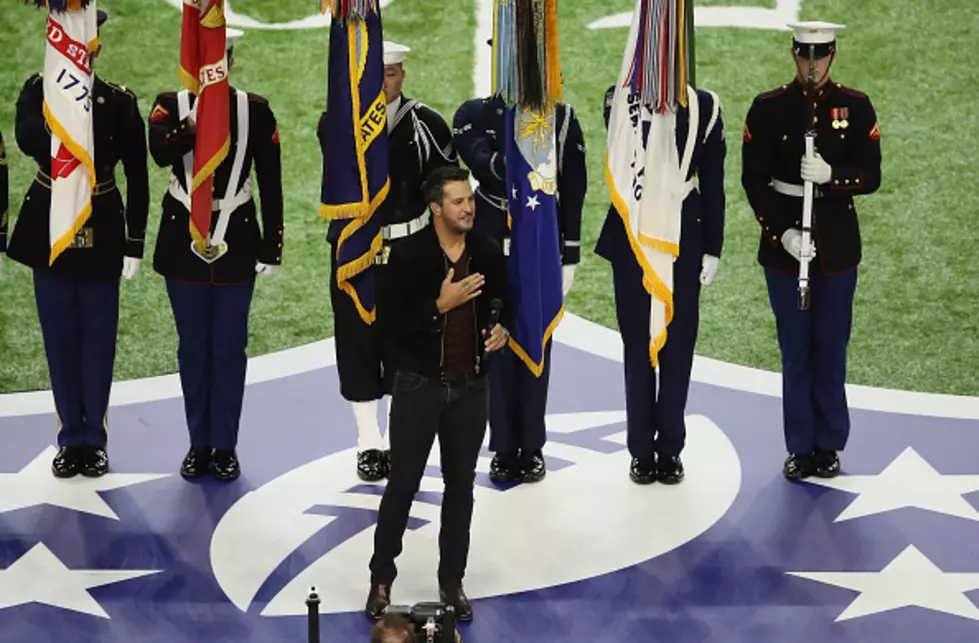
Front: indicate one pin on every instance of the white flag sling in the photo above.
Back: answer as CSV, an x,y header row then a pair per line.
x,y
72,35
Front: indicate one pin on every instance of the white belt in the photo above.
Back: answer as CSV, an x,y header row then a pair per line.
x,y
791,189
229,204
401,230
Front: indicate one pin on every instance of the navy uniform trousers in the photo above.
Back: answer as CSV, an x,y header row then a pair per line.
x,y
79,321
212,324
813,345
656,417
518,399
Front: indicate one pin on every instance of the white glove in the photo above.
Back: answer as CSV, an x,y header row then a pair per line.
x,y
709,271
816,170
130,266
567,278
792,242
264,269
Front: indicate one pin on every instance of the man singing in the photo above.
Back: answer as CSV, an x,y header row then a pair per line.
x,y
437,311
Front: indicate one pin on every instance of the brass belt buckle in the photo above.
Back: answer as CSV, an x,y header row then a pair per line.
x,y
211,253
382,257
84,238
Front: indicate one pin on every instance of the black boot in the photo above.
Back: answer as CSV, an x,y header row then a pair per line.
x,y
377,601
459,601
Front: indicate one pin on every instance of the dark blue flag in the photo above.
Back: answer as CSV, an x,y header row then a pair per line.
x,y
355,168
535,254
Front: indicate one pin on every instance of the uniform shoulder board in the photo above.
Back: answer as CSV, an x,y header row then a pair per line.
x,y
122,89
772,93
257,98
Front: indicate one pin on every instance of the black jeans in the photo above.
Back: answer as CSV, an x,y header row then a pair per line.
x,y
420,408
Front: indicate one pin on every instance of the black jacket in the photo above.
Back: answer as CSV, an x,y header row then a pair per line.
x,y
170,139
847,137
410,321
117,229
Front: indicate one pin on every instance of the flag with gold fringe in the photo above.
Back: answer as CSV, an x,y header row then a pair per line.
x,y
643,169
204,73
355,167
527,75
72,38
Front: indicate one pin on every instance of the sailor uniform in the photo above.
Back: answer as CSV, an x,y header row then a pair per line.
x,y
419,141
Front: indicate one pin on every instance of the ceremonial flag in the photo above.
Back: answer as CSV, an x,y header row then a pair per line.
x,y
527,74
643,168
355,170
72,37
204,73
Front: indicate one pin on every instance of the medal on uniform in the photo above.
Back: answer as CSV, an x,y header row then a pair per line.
x,y
211,253
840,115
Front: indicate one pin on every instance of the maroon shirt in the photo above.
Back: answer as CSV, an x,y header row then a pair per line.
x,y
459,341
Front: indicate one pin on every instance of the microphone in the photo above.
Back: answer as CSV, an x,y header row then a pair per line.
x,y
495,306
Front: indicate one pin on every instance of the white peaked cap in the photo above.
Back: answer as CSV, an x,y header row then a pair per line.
x,y
815,33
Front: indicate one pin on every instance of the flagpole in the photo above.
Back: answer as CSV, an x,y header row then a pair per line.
x,y
691,41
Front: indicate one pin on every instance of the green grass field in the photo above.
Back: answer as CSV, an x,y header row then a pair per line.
x,y
916,320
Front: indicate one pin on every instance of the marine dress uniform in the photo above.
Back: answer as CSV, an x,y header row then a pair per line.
x,y
211,300
847,163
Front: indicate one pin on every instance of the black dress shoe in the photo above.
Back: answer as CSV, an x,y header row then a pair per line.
x,y
224,465
504,468
826,464
377,601
196,463
532,466
459,601
372,465
669,470
797,466
643,470
66,463
94,462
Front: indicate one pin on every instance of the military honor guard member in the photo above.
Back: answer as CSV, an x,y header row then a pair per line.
x,y
846,162
518,398
655,421
77,274
211,292
419,141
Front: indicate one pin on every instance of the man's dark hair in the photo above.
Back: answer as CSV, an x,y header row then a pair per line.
x,y
392,628
434,187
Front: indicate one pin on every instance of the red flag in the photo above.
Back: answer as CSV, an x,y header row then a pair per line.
x,y
204,72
